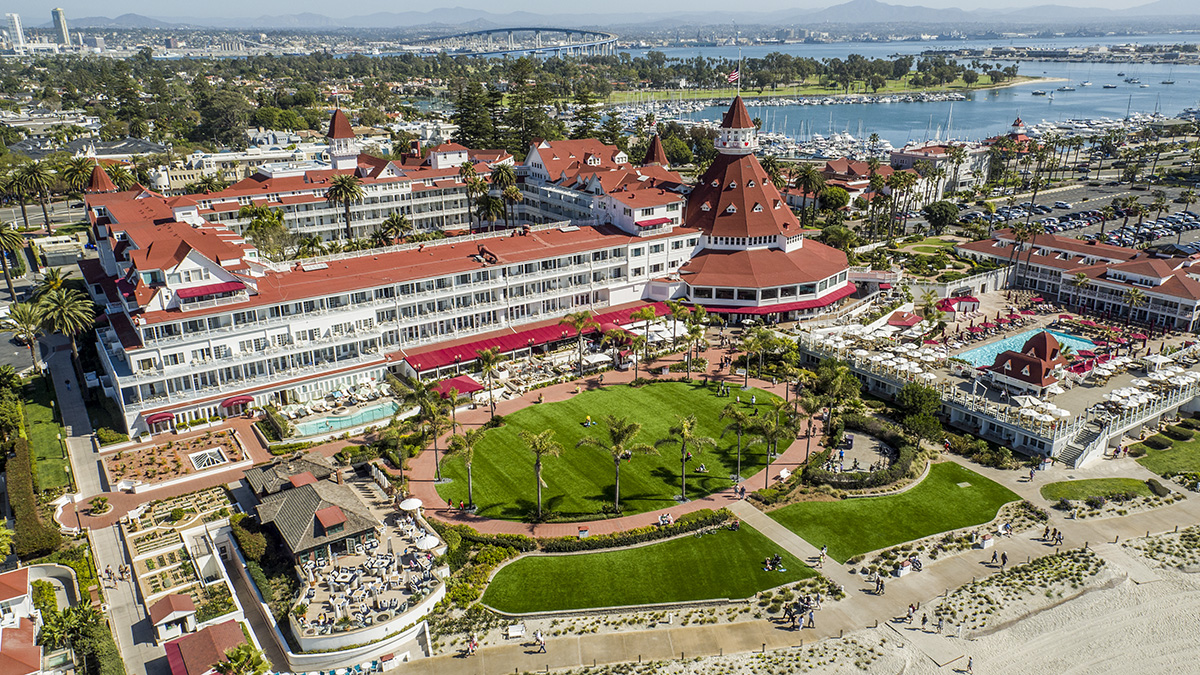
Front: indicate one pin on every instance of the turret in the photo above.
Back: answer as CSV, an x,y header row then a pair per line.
x,y
343,144
737,135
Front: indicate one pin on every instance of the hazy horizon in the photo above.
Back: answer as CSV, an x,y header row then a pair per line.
x,y
35,13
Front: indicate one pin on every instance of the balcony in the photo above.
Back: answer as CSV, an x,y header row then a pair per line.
x,y
214,302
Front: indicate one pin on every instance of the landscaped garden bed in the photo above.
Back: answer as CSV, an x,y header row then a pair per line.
x,y
1173,549
1103,497
175,458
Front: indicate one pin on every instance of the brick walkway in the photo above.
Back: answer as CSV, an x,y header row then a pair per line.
x,y
421,471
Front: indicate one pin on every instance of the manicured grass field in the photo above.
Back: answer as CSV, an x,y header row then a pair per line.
x,y
1094,487
43,435
1182,457
853,526
579,482
724,564
809,88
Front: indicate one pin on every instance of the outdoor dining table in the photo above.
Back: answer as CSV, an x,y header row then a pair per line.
x,y
344,578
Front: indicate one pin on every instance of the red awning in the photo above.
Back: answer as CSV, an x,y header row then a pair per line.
x,y
236,400
211,289
160,417
825,301
885,286
464,384
653,222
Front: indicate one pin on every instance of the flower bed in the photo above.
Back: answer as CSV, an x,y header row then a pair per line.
x,y
159,463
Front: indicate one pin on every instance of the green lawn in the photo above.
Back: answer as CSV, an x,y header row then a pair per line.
x,y
580,481
1182,457
43,435
808,88
850,527
725,564
1093,487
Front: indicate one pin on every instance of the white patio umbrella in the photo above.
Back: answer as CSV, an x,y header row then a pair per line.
x,y
1157,376
860,352
1044,418
928,376
428,542
1140,383
1173,369
1055,390
1059,412
929,358
1028,412
411,504
915,369
878,358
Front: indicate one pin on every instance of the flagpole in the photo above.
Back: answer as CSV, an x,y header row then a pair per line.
x,y
739,72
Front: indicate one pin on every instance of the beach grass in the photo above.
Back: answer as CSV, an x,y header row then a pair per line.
x,y
1094,487
950,497
579,482
724,564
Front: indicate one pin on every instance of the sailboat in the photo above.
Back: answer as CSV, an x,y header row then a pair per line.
x,y
1170,77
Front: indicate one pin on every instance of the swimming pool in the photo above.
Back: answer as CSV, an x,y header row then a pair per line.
x,y
324,425
986,354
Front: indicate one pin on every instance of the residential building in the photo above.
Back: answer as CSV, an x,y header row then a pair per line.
x,y
317,519
19,623
172,616
199,653
61,34
1098,278
952,167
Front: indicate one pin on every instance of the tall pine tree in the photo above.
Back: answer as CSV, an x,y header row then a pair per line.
x,y
475,128
587,114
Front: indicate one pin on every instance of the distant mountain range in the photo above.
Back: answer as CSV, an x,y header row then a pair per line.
x,y
854,12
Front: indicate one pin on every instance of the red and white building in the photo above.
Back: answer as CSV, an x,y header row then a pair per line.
x,y
970,173
19,624
197,324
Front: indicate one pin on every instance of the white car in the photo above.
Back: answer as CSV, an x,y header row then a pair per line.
x,y
1062,205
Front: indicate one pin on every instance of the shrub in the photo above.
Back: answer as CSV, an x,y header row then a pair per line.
x,y
516,541
1157,488
1179,433
97,642
1159,442
252,542
494,422
107,436
43,596
268,431
1190,423
260,580
1094,502
1138,450
1063,504
690,522
288,448
177,514
283,428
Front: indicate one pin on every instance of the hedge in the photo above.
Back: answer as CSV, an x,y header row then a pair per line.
x,y
889,434
252,543
107,436
1190,423
33,537
468,533
1157,488
260,580
1159,442
287,448
690,522
1138,450
1179,433
282,427
101,651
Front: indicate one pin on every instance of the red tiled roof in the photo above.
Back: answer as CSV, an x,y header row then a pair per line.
x,y
907,319
14,584
176,602
19,655
100,182
763,268
737,117
210,289
197,653
303,478
339,126
450,147
1038,372
739,182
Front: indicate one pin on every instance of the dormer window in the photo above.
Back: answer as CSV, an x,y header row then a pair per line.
x,y
731,209
758,208
705,207
750,184
1025,371
732,185
1008,365
716,183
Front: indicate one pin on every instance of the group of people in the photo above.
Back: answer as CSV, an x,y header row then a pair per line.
x,y
806,605
774,564
1053,536
122,574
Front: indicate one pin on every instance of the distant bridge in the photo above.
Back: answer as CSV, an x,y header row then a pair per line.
x,y
523,41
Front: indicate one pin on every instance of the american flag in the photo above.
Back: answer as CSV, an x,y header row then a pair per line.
x,y
734,76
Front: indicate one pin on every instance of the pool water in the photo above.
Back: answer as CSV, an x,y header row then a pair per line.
x,y
985,355
331,423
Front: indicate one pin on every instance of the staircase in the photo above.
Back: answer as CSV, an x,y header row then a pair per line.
x,y
1080,445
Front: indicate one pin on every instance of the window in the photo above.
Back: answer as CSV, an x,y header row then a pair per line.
x,y
747,294
758,208
770,293
636,252
731,209
656,268
693,241
705,207
750,184
723,294
646,212
676,245
638,271
702,293
657,248
674,206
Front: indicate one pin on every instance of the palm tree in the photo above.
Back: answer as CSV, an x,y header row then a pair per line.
x,y
310,246
621,433
243,659
6,540
637,342
467,174
1034,230
614,337
582,322
684,434
12,242
646,314
396,226
345,189
124,180
52,279
24,321
1134,297
66,311
739,424
36,178
1079,282
489,361
489,208
11,187
76,173
811,405
677,311
437,421
693,341
810,181
512,196
770,430
541,445
464,445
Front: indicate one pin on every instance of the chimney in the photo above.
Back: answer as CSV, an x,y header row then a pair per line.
x,y
414,148
340,480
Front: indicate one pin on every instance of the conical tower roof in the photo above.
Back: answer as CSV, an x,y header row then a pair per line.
x,y
339,126
737,117
100,182
655,153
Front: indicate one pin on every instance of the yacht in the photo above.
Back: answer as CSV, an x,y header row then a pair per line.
x,y
1066,87
1038,92
1085,83
1110,86
1143,86
1168,82
1120,74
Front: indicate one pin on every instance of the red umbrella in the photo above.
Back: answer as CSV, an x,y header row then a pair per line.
x,y
931,342
1086,352
976,329
1038,299
1065,316
1138,336
1100,341
988,324
1014,316
1003,321
1028,312
1121,341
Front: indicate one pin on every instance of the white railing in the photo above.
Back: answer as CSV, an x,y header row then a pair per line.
x,y
215,302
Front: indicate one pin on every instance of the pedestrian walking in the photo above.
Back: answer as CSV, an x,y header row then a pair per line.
x,y
811,623
970,665
995,557
924,621
941,622
882,588
1003,559
911,611
1046,533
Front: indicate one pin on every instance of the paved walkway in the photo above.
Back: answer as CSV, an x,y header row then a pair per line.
x,y
791,542
127,616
